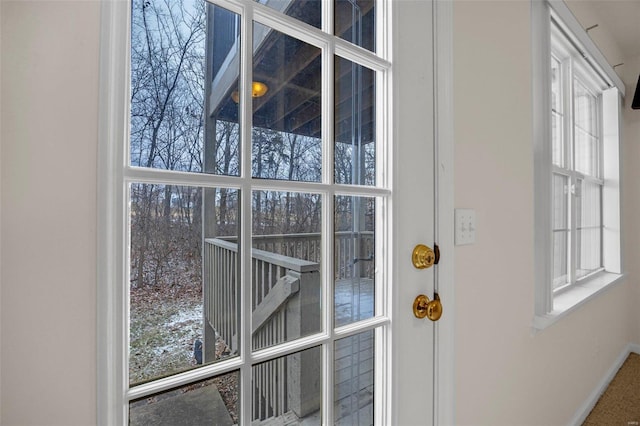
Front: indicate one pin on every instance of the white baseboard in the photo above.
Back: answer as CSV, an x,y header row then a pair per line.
x,y
584,410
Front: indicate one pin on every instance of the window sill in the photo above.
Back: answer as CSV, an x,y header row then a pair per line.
x,y
569,300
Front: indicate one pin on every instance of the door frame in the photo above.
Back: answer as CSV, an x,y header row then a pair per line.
x,y
110,298
444,350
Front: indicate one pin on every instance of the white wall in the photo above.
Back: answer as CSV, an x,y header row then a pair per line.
x,y
49,84
506,375
631,200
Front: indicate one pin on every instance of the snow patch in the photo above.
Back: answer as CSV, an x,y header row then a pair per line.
x,y
186,315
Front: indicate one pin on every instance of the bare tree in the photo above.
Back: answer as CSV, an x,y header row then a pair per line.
x,y
167,98
167,56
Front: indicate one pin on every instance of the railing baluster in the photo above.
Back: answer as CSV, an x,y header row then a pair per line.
x,y
226,312
216,293
223,298
260,396
263,272
263,381
254,392
220,302
229,302
254,282
270,376
282,395
235,300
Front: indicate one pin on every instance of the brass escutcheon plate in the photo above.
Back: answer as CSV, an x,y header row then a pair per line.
x,y
423,257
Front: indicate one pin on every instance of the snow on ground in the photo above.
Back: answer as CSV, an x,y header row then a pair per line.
x,y
163,328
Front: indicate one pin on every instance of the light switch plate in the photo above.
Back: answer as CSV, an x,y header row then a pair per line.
x,y
465,227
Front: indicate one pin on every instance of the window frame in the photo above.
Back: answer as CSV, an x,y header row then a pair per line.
x,y
573,71
552,304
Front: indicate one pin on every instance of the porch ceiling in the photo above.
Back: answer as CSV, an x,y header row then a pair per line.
x,y
293,101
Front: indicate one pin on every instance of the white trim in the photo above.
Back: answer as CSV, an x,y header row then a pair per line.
x,y
135,174
612,174
575,296
245,122
383,411
541,75
327,208
444,353
583,411
110,328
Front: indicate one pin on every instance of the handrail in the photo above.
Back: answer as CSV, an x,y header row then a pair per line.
x,y
288,262
302,235
284,289
348,252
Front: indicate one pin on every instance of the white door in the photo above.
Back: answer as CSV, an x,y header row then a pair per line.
x,y
413,213
277,173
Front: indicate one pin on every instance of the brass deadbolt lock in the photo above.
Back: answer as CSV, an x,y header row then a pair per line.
x,y
424,257
423,307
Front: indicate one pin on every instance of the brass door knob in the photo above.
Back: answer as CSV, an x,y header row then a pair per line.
x,y
423,257
423,307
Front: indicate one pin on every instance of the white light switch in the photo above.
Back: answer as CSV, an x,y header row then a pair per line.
x,y
465,223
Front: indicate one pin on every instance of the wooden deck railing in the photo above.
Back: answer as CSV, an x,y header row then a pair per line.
x,y
285,306
285,286
353,254
221,297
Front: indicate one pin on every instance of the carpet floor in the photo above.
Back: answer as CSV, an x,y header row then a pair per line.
x,y
620,403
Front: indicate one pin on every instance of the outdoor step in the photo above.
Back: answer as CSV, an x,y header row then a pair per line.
x,y
203,406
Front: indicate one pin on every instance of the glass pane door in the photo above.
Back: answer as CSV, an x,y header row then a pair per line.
x,y
257,282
